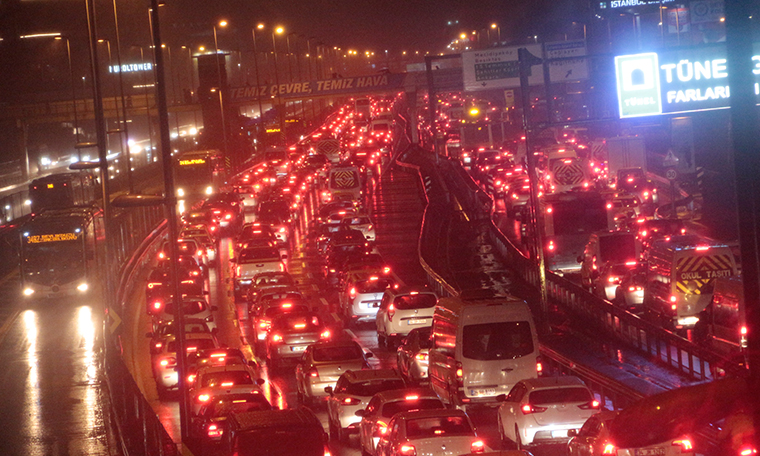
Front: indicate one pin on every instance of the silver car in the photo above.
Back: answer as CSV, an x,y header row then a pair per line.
x,y
412,355
352,392
323,363
361,295
290,333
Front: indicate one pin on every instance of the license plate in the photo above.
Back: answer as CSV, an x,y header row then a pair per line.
x,y
298,348
483,392
649,452
558,434
416,321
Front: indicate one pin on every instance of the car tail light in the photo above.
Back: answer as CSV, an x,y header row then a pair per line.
x,y
237,271
157,305
325,334
613,279
594,404
609,448
539,366
199,253
634,288
407,450
154,284
391,312
460,374
327,452
551,246
205,397
276,338
352,292
527,409
190,379
421,356
381,428
351,401
214,430
282,267
168,362
228,216
684,443
747,451
477,447
263,324
158,345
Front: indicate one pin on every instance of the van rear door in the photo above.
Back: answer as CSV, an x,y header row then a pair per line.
x,y
496,353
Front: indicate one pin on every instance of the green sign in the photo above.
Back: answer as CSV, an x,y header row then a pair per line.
x,y
638,85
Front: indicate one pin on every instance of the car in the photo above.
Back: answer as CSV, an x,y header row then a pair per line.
x,y
629,294
323,363
209,424
593,439
517,196
212,381
192,306
292,432
168,328
352,392
290,334
361,294
542,410
215,357
203,217
264,311
412,355
252,261
276,214
255,234
202,236
187,246
362,223
266,280
425,431
606,283
385,405
164,362
401,310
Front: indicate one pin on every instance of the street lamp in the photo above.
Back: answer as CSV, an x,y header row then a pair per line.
x,y
498,32
280,114
258,81
227,158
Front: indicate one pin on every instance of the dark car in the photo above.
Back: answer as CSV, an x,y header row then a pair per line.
x,y
290,333
293,432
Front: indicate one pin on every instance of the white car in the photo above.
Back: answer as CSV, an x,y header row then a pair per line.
x,y
362,294
214,381
352,392
164,361
430,432
401,310
384,405
543,410
362,223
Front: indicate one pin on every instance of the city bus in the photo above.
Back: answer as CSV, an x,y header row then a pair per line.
x,y
63,190
62,253
198,174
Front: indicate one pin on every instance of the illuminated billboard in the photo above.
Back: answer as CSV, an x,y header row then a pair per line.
x,y
672,82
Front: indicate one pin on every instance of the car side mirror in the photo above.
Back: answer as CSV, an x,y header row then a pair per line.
x,y
572,432
501,398
369,355
260,381
329,390
359,412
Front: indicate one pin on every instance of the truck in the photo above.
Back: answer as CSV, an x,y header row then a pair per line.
x,y
625,152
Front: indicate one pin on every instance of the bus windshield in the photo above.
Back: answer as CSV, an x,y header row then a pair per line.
x,y
60,262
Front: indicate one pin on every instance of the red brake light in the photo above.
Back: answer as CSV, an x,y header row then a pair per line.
x,y
214,430
477,447
381,428
203,397
276,338
421,356
314,373
407,450
325,334
527,409
684,443
594,404
609,448
351,401
352,292
391,312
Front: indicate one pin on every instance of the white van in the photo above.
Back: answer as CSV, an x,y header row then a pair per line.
x,y
344,182
481,348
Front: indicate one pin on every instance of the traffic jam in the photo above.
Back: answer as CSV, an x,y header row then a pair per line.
x,y
302,338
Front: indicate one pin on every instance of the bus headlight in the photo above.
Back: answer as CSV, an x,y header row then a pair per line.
x,y
28,291
180,192
82,287
209,190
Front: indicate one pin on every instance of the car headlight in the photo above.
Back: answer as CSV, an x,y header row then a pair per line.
x,y
28,291
209,190
83,287
180,192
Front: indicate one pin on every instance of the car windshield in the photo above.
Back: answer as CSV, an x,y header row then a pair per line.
x,y
258,254
407,405
423,428
493,341
559,395
372,285
279,279
415,301
371,387
618,249
225,407
188,307
224,379
192,345
337,353
297,323
281,309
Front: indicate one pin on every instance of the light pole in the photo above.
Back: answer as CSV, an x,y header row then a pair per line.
x,y
280,109
227,158
498,32
258,81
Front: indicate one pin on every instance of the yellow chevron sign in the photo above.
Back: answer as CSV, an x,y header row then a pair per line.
x,y
695,272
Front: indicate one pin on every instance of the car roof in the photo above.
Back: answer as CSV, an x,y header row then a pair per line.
x,y
275,418
371,374
225,368
553,382
430,414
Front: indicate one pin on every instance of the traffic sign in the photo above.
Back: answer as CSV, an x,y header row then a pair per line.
x,y
670,159
671,174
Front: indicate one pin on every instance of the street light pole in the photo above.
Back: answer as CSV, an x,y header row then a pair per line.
x,y
280,109
227,158
258,81
171,209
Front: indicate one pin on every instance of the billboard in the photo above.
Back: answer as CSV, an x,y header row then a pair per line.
x,y
677,81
